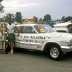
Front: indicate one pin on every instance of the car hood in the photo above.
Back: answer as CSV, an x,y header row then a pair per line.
x,y
56,35
66,35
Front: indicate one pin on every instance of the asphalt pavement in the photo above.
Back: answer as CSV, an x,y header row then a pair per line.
x,y
33,61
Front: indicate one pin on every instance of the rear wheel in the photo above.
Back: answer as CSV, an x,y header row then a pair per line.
x,y
55,53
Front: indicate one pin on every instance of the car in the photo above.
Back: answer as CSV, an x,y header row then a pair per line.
x,y
65,27
42,37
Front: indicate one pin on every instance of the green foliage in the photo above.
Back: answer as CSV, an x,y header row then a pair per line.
x,y
47,17
1,19
8,17
35,18
63,18
66,19
18,17
49,22
40,21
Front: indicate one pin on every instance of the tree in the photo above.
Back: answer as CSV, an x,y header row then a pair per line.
x,y
40,21
35,18
18,17
47,17
66,19
1,19
63,18
8,17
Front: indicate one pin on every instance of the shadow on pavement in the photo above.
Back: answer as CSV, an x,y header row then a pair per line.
x,y
30,52
66,57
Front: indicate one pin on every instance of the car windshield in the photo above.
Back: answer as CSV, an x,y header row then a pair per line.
x,y
43,28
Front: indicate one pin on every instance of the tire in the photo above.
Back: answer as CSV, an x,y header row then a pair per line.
x,y
55,53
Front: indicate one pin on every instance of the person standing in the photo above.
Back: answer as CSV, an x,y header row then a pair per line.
x,y
10,28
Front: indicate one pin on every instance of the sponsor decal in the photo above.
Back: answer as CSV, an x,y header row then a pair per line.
x,y
37,37
26,36
30,45
33,41
38,46
41,29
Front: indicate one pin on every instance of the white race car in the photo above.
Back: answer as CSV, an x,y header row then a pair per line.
x,y
42,37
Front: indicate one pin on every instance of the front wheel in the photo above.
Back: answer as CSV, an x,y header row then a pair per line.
x,y
55,53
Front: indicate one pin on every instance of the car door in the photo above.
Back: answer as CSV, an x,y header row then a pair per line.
x,y
24,40
32,39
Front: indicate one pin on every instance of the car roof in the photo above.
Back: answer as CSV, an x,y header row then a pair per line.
x,y
63,24
26,24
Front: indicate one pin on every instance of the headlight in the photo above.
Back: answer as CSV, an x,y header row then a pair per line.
x,y
70,43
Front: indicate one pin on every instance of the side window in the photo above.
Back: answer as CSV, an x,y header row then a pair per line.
x,y
25,29
28,29
20,28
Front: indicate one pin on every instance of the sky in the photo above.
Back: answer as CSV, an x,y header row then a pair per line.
x,y
38,8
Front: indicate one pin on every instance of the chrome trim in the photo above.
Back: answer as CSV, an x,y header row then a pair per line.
x,y
66,48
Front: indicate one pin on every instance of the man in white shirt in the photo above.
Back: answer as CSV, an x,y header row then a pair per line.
x,y
11,36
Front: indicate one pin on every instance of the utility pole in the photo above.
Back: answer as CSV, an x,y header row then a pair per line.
x,y
2,37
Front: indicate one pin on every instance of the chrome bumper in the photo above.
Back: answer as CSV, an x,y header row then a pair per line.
x,y
66,48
